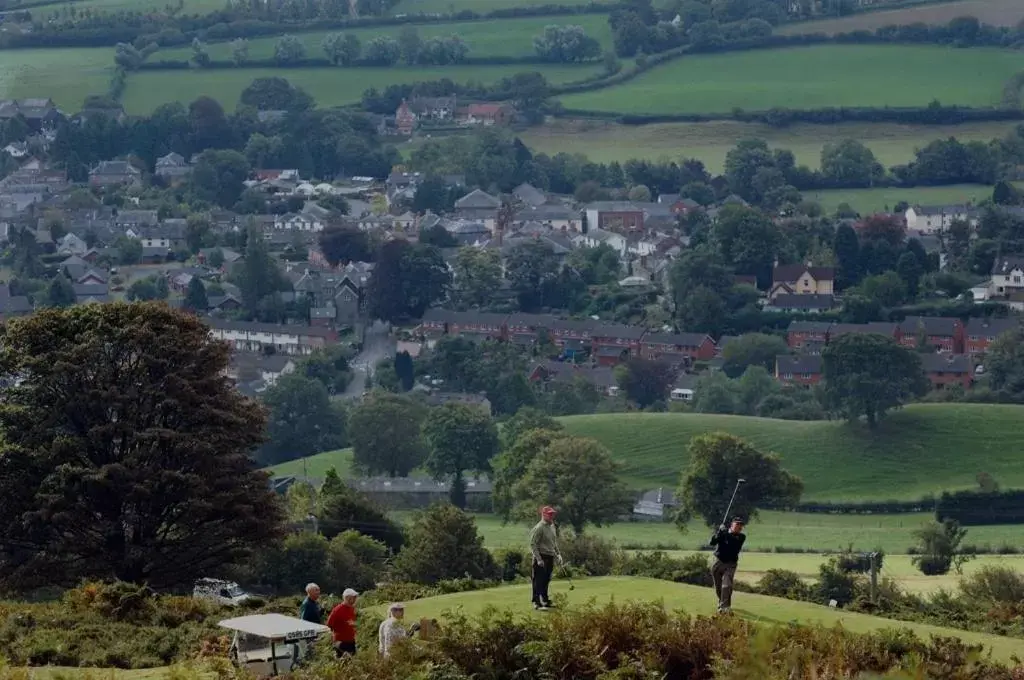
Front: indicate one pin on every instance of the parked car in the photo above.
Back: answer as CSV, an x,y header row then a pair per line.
x,y
226,593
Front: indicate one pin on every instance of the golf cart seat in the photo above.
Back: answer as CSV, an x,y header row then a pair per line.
x,y
270,644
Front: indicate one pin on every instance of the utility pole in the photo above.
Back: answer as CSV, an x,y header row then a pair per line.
x,y
874,577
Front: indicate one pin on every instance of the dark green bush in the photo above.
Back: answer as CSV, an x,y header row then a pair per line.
x,y
834,584
994,585
783,583
512,563
592,554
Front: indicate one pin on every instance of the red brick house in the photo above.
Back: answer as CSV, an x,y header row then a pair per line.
x,y
570,333
474,325
945,369
979,333
944,334
798,369
678,348
405,119
525,329
800,334
614,343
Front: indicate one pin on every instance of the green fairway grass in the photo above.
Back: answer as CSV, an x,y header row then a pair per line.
x,y
602,141
919,450
66,75
817,532
329,86
996,12
694,600
481,6
492,38
810,78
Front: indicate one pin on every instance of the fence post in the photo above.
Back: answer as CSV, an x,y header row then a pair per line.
x,y
874,578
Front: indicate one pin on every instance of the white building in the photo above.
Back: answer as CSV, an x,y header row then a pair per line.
x,y
929,219
1007,275
295,340
298,222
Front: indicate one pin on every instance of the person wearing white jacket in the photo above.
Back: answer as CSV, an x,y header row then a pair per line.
x,y
393,629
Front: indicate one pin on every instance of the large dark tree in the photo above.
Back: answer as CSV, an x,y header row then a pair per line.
x,y
461,438
125,452
406,280
866,375
645,381
345,244
302,420
385,433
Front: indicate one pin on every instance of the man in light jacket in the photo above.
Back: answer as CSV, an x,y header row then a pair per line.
x,y
393,629
544,548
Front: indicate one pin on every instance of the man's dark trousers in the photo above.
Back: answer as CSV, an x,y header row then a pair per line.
x,y
542,578
723,573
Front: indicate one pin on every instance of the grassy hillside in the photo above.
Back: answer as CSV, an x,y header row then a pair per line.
x,y
317,466
67,75
922,449
329,86
811,77
504,38
453,6
997,12
44,9
696,600
603,141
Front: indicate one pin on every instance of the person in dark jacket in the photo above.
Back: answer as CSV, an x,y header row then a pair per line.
x,y
727,541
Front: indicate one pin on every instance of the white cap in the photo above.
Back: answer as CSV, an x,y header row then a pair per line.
x,y
349,591
396,607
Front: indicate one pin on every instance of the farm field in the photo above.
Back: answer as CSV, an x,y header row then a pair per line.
x,y
66,75
317,466
817,532
867,201
329,86
808,78
505,38
453,6
941,446
709,142
996,12
693,600
44,8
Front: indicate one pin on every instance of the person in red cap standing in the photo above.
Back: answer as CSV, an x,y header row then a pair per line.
x,y
544,547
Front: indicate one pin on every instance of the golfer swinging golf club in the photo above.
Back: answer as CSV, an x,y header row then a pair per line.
x,y
727,541
544,548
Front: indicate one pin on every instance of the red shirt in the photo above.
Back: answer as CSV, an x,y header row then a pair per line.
x,y
342,622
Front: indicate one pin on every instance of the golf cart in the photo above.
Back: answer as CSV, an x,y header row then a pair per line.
x,y
270,644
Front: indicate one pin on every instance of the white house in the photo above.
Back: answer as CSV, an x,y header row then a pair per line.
x,y
930,218
1007,275
298,222
69,244
254,337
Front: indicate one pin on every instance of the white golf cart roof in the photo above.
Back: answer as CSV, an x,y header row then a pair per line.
x,y
275,627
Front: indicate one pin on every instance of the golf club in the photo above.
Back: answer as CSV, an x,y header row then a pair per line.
x,y
734,492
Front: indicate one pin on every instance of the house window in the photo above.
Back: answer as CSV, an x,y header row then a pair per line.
x,y
1016,279
974,338
788,376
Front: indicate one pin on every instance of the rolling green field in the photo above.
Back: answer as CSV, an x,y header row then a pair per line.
x,y
505,38
866,201
329,86
453,6
810,77
694,600
66,75
791,530
603,141
922,449
317,466
44,9
996,12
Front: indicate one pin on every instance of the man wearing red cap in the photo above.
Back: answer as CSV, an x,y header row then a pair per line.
x,y
544,547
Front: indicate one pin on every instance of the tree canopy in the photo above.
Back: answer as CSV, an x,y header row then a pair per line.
x,y
385,433
717,461
459,438
126,450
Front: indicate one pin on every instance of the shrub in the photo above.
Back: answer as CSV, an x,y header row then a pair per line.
x,y
834,584
592,554
444,544
993,585
512,563
783,583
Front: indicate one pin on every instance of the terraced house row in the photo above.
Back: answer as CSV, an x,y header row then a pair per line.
x,y
942,334
608,343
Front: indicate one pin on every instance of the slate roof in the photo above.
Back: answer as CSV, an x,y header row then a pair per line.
x,y
946,363
788,273
678,339
477,199
798,363
932,325
809,326
794,301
